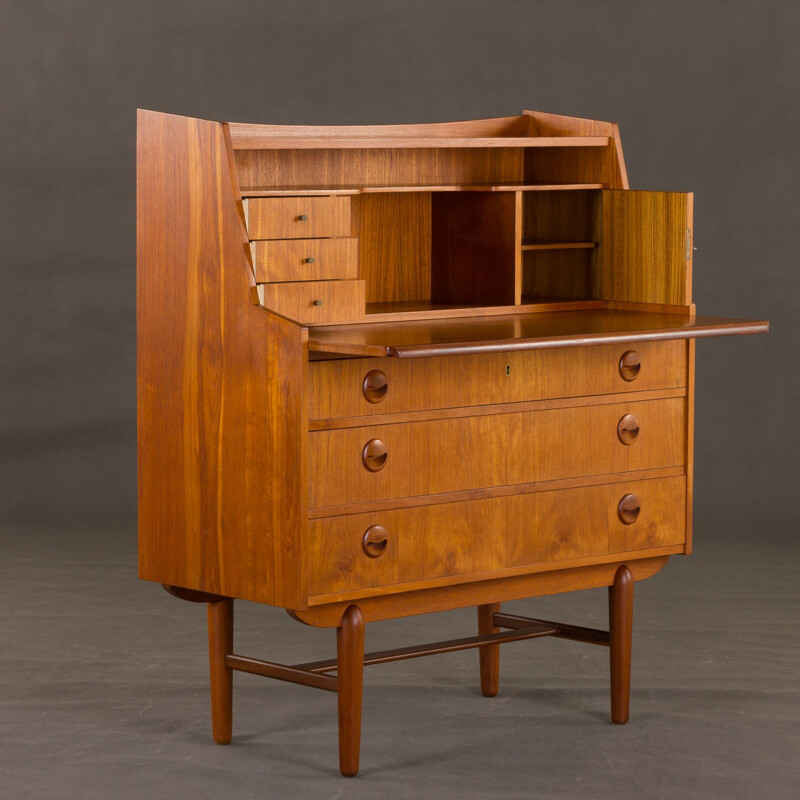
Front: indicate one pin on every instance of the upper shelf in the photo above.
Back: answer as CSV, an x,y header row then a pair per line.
x,y
506,186
519,332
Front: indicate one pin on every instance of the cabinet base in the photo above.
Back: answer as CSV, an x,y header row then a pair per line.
x,y
494,628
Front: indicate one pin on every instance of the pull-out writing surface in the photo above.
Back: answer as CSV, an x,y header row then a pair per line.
x,y
520,332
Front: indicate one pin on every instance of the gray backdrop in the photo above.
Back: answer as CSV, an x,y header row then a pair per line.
x,y
706,95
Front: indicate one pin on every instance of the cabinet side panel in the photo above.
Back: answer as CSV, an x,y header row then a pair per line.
x,y
690,361
220,381
574,164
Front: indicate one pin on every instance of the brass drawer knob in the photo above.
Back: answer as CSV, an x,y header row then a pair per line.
x,y
302,218
629,508
375,386
317,303
374,455
628,429
375,541
630,365
310,260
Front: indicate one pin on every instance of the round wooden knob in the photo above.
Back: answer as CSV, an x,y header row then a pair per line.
x,y
302,218
629,365
310,260
374,455
375,541
375,386
628,429
629,508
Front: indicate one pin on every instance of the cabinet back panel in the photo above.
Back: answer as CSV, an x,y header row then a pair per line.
x,y
394,237
330,168
557,273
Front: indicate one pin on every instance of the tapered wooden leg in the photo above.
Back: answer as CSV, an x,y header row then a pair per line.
x,y
220,644
489,654
350,661
620,618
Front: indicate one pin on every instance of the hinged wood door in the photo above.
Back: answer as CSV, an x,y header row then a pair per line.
x,y
645,252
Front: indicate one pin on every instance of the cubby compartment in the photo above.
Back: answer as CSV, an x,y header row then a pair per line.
x,y
486,225
423,251
560,238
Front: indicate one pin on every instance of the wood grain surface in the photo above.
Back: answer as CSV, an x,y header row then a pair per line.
x,y
427,458
520,332
326,611
221,420
335,387
305,259
297,217
308,302
479,536
645,252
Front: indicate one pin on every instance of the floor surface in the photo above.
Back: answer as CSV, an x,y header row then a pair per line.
x,y
103,691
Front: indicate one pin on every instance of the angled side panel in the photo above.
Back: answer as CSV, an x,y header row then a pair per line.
x,y
575,164
221,420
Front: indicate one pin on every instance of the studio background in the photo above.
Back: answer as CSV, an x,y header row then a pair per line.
x,y
705,93
706,96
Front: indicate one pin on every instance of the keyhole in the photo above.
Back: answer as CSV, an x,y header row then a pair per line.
x,y
508,369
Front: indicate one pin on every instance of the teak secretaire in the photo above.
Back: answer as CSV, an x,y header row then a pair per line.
x,y
388,370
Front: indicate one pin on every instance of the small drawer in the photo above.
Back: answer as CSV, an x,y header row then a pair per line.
x,y
305,259
384,548
340,388
297,217
381,462
310,302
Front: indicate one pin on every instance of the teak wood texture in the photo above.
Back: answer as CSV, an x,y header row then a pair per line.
x,y
305,259
389,370
221,382
419,339
501,449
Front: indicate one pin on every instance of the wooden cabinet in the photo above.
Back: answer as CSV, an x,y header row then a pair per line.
x,y
385,371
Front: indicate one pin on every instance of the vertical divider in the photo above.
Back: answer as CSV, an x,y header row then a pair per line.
x,y
517,248
596,286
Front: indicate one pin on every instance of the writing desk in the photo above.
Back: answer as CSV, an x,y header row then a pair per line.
x,y
389,370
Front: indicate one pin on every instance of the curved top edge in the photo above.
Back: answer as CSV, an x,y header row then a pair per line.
x,y
491,126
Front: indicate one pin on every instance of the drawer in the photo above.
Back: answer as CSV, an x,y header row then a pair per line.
x,y
479,536
308,302
447,455
336,388
297,217
305,259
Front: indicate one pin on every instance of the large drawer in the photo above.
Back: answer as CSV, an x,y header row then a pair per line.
x,y
305,259
479,536
336,388
352,465
315,301
297,217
